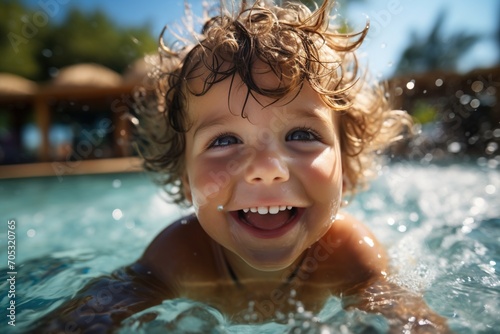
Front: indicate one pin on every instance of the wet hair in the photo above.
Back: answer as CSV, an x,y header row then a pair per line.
x,y
299,46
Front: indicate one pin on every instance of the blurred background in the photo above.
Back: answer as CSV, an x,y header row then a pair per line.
x,y
68,69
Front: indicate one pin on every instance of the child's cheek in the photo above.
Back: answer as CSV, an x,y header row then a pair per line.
x,y
209,179
324,173
326,166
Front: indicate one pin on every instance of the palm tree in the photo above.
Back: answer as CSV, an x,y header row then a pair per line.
x,y
435,51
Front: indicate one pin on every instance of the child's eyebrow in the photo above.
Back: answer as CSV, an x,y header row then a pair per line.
x,y
312,114
309,113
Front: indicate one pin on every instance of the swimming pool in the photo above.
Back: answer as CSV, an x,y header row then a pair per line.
x,y
441,225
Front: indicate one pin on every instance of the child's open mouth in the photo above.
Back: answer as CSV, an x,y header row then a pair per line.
x,y
268,222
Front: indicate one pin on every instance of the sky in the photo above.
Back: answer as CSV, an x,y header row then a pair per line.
x,y
392,21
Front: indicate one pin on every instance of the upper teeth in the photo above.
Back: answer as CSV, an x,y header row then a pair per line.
x,y
263,210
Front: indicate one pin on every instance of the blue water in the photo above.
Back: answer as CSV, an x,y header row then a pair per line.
x,y
440,224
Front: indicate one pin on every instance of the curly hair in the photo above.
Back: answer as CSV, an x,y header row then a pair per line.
x,y
299,46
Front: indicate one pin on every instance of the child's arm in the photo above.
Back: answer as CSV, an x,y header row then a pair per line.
x,y
105,302
404,310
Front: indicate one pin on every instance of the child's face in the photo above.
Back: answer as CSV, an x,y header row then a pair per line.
x,y
283,155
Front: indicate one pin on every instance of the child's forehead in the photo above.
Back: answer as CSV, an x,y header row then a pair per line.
x,y
265,77
234,91
232,96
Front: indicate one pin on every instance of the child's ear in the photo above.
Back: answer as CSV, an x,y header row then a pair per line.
x,y
186,187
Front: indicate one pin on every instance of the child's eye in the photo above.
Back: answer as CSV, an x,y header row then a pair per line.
x,y
224,140
302,135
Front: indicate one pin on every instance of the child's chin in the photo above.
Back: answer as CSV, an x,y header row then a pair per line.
x,y
271,261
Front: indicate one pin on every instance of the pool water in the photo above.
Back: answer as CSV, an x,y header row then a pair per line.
x,y
440,224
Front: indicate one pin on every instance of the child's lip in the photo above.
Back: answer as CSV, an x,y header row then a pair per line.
x,y
269,234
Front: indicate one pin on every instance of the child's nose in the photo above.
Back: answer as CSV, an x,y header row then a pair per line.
x,y
267,167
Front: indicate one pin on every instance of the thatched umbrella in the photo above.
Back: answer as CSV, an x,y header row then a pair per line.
x,y
80,82
14,87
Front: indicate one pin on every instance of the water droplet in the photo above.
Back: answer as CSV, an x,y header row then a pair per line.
x,y
490,189
398,91
491,90
184,222
369,241
402,228
477,86
31,233
325,330
439,82
468,221
482,162
53,72
117,214
491,147
466,229
465,99
117,183
410,85
472,140
427,157
47,53
454,147
475,103
479,206
493,163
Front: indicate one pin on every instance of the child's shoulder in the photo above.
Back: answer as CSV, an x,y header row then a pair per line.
x,y
181,246
183,233
355,253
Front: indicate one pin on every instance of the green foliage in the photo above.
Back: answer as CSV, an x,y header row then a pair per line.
x,y
424,112
34,50
435,51
17,54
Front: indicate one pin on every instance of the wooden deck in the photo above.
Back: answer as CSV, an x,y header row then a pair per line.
x,y
64,168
